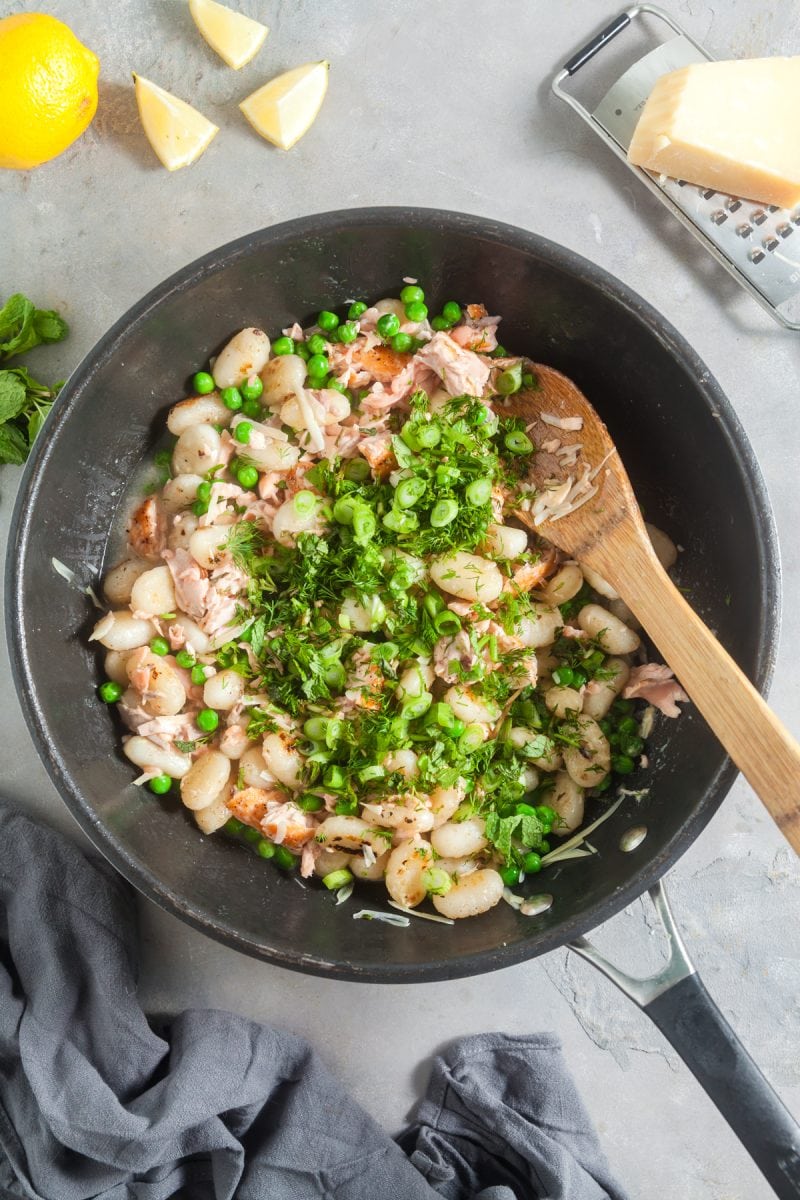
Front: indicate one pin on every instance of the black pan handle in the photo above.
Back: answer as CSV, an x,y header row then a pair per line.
x,y
601,39
676,1000
691,1021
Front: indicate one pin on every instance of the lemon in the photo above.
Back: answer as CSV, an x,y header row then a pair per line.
x,y
235,37
48,89
177,132
286,107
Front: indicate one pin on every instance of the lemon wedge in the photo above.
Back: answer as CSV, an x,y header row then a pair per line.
x,y
177,132
285,108
235,37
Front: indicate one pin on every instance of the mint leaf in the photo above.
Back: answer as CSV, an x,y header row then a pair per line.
x,y
36,420
13,445
49,326
22,326
12,395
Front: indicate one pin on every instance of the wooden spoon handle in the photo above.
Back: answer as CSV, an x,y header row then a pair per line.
x,y
763,750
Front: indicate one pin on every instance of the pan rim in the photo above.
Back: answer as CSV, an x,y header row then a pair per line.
x,y
136,871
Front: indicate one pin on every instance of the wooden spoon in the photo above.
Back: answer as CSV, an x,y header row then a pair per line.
x,y
608,535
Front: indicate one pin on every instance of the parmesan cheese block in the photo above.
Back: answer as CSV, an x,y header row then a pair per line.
x,y
730,126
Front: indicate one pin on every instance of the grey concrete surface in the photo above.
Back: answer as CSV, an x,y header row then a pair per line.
x,y
443,104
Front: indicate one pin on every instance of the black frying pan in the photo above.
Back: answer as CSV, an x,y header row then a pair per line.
x,y
695,475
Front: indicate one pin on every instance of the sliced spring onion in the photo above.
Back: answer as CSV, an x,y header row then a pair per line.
x,y
581,835
372,914
412,912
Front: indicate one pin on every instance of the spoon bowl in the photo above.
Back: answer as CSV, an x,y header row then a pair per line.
x,y
585,505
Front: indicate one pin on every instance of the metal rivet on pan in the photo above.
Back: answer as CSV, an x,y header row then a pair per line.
x,y
756,256
784,230
535,905
708,194
732,205
770,243
759,217
633,838
719,216
744,230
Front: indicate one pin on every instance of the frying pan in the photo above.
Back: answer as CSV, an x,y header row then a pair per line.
x,y
694,473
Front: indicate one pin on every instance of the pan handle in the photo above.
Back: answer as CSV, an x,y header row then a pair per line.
x,y
676,1000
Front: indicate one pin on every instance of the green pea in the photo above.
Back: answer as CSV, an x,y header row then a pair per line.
x,y
356,309
252,388
198,674
327,320
284,858
318,365
401,521
478,492
416,311
251,835
231,397
310,803
348,333
531,862
264,848
302,350
242,432
443,512
499,352
631,744
510,380
316,344
439,324
528,380
451,312
402,342
204,491
337,879
628,725
160,784
622,707
338,386
315,729
518,442
162,458
544,847
409,491
357,470
563,676
335,676
510,876
159,646
412,294
388,325
547,816
233,825
525,810
185,659
207,720
283,345
200,508
203,383
247,476
252,409
110,691
623,764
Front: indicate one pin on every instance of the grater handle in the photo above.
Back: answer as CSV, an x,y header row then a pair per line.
x,y
601,39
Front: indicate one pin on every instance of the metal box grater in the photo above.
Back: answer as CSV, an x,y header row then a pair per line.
x,y
758,245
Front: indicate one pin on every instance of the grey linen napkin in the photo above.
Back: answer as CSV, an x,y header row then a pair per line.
x,y
95,1102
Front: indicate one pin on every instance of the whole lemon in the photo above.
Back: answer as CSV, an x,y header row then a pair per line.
x,y
48,89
